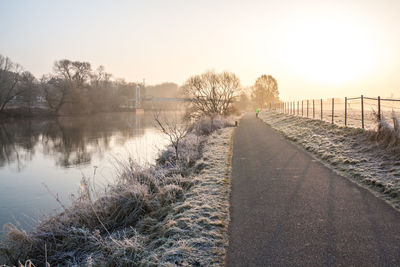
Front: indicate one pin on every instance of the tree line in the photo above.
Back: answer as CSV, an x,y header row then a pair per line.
x,y
214,93
74,87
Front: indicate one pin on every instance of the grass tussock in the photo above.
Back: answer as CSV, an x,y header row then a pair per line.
x,y
387,135
173,213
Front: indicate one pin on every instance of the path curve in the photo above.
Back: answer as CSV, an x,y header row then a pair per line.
x,y
287,209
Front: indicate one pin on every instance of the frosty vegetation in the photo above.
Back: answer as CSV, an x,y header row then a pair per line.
x,y
173,213
368,157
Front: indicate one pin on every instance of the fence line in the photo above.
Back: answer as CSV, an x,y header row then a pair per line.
x,y
352,106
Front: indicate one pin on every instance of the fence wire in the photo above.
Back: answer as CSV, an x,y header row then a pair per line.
x,y
358,112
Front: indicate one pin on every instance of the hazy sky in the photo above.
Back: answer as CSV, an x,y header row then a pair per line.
x,y
313,48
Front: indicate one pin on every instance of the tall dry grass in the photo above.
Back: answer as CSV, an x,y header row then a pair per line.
x,y
385,134
121,226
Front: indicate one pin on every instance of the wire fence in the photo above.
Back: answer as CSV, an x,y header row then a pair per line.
x,y
359,112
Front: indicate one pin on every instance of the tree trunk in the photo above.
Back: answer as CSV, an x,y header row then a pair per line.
x,y
176,152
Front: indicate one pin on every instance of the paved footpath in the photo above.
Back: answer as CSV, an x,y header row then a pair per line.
x,y
289,210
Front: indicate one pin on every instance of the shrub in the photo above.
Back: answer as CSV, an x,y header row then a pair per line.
x,y
208,124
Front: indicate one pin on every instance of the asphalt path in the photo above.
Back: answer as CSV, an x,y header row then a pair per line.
x,y
287,209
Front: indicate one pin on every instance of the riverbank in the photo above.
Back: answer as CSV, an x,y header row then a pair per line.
x,y
167,214
369,158
23,113
41,113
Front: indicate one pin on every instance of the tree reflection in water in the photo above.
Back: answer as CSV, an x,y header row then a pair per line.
x,y
71,141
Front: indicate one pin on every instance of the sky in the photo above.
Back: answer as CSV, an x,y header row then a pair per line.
x,y
314,48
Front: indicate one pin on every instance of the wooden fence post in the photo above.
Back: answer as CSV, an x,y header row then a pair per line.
x,y
307,108
294,107
321,109
362,111
379,109
302,112
345,111
298,108
313,109
333,108
291,107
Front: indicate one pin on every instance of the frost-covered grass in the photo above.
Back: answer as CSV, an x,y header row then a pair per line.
x,y
368,157
386,134
173,213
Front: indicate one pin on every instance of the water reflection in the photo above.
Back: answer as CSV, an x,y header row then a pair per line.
x,y
57,152
17,143
69,141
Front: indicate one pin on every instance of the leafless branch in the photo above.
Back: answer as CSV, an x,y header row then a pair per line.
x,y
212,93
173,128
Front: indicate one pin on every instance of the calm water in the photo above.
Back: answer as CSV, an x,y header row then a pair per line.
x,y
42,156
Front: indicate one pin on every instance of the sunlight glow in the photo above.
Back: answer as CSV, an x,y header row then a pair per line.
x,y
328,51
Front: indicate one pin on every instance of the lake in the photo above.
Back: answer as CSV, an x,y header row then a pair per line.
x,y
41,159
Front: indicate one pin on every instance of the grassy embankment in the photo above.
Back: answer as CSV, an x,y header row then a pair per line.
x,y
368,157
173,213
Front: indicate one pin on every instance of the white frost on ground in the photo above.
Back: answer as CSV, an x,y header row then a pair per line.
x,y
153,217
348,151
198,226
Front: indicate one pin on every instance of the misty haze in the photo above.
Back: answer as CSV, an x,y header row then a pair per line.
x,y
199,133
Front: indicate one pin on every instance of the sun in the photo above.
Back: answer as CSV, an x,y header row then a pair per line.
x,y
329,51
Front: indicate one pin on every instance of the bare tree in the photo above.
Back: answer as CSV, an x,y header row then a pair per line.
x,y
212,93
10,76
75,73
81,73
29,89
102,91
67,84
55,92
265,90
100,78
173,128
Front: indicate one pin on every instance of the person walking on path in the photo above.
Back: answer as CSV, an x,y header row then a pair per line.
x,y
257,111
